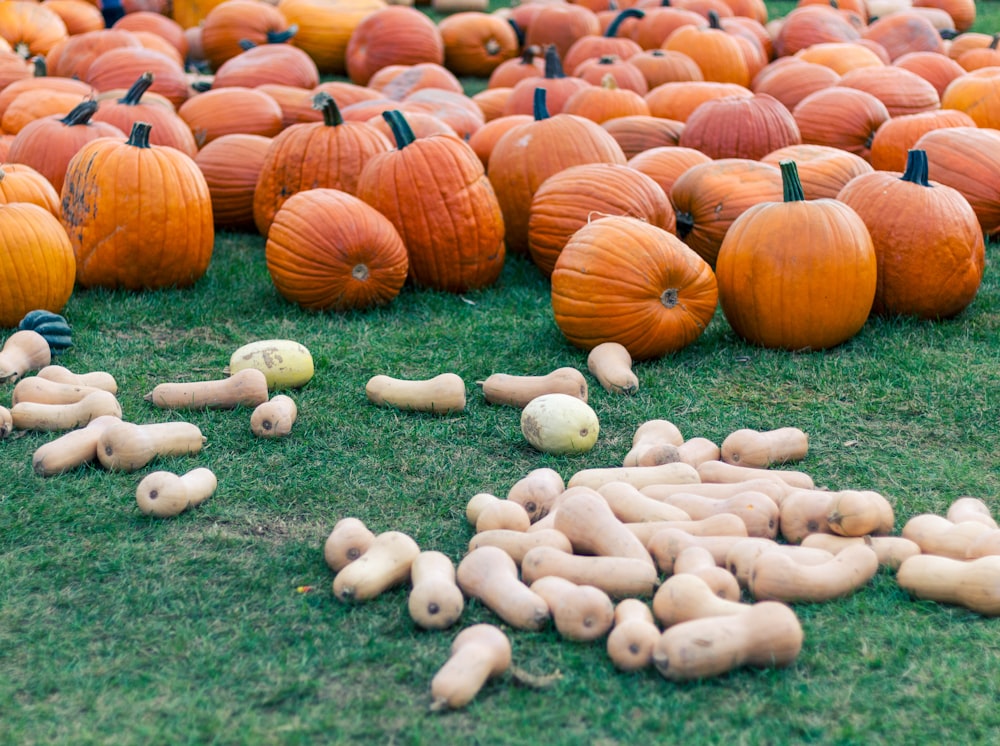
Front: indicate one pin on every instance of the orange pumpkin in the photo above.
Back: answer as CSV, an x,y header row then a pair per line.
x,y
72,57
962,12
840,117
282,64
740,127
937,69
659,66
531,64
231,22
823,170
606,101
894,139
813,24
977,93
904,31
638,133
22,183
121,66
718,53
157,23
231,165
30,28
476,43
558,87
326,28
223,111
840,56
679,99
790,80
660,21
560,25
594,46
667,162
625,75
901,91
394,35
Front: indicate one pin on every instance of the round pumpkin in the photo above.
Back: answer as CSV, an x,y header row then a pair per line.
x,y
394,35
22,183
231,165
739,127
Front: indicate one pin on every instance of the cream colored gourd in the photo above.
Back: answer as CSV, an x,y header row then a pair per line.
x,y
700,562
638,476
478,653
935,534
489,574
611,364
435,600
163,494
804,512
970,509
654,442
275,417
247,388
631,640
580,612
684,596
384,565
442,394
860,513
72,449
284,362
6,422
43,391
666,544
592,528
28,415
890,550
741,556
349,539
97,379
127,446
517,391
969,583
722,524
476,504
517,543
537,491
559,424
22,352
503,514
776,576
619,577
765,634
720,471
773,488
698,450
985,545
631,506
758,512
760,449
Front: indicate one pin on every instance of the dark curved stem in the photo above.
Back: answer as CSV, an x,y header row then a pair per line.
x,y
401,131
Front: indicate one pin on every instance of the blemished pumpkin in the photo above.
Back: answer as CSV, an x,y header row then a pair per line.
x,y
139,216
927,239
797,274
620,279
328,250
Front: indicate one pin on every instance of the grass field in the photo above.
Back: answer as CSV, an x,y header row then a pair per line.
x,y
220,627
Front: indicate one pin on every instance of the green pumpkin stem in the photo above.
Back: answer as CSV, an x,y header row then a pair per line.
x,y
791,184
916,167
39,68
280,37
139,136
553,65
401,130
713,20
540,107
133,95
331,112
81,113
519,33
620,18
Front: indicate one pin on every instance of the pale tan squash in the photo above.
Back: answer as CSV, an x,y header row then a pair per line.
x,y
275,417
349,539
28,415
476,504
631,506
637,476
683,597
699,561
698,450
517,543
126,446
582,613
720,471
164,494
611,364
619,577
722,524
502,514
442,394
435,600
666,544
742,555
969,508
632,638
890,550
72,449
98,379
592,528
761,449
805,512
247,388
860,513
969,583
384,565
478,653
654,442
22,352
43,391
984,545
537,491
776,576
6,422
489,575
935,534
758,512
517,390
773,488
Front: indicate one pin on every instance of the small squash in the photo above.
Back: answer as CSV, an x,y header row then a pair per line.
x,y
537,491
761,449
442,394
164,494
696,451
489,575
611,364
588,522
580,612
891,551
285,363
741,556
970,509
517,543
23,352
43,391
6,422
247,388
559,424
126,446
684,596
972,584
860,513
385,564
51,325
654,442
720,471
349,539
638,476
502,514
629,505
478,653
275,417
935,534
517,391
30,415
619,577
776,576
758,512
72,449
721,524
632,638
98,379
773,488
665,546
435,600
700,562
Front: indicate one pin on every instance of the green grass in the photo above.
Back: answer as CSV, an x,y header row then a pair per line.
x,y
120,629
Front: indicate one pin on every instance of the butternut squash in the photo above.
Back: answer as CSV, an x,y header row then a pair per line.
x,y
890,550
6,422
384,565
968,583
722,524
633,636
720,471
48,417
275,417
247,388
537,491
592,528
517,391
765,634
700,562
698,450
984,545
98,379
631,506
859,513
742,555
637,476
666,544
654,442
126,446
580,612
503,514
619,577
683,597
435,600
164,494
776,576
969,509
760,449
489,575
476,504
72,449
935,534
804,512
758,512
44,391
349,539
773,488
478,653
517,543
611,364
22,352
442,394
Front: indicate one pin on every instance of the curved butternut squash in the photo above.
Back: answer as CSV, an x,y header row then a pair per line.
x,y
435,600
22,352
478,653
537,491
631,506
126,446
805,512
6,422
935,534
741,556
442,394
969,583
349,539
517,391
859,513
580,612
503,514
758,512
696,451
247,388
637,476
765,634
28,415
97,379
654,442
720,471
760,449
700,562
43,391
773,488
164,494
384,565
275,417
890,550
683,597
967,509
489,575
72,449
633,636
619,577
611,364
517,543
985,545
722,524
476,504
592,528
666,544
776,576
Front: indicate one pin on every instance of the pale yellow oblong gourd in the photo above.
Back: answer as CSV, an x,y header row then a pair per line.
x,y
891,551
28,415
935,534
518,390
969,508
517,543
974,584
43,391
98,379
637,476
6,422
619,577
699,561
164,494
489,574
442,394
592,527
776,576
684,596
22,352
720,471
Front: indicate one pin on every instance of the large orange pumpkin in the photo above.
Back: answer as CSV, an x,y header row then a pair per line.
x,y
394,35
476,43
21,183
740,127
620,279
230,23
977,93
231,165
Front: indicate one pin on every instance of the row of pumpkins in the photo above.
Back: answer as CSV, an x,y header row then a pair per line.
x,y
776,194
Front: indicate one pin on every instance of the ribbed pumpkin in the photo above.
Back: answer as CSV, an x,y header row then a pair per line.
x,y
37,265
620,279
904,31
679,99
568,200
232,22
558,87
901,91
280,64
231,165
476,43
823,170
738,127
394,35
560,25
606,101
927,239
840,117
138,215
436,193
790,80
937,69
813,24
593,46
977,93
223,111
798,274
530,64
622,72
638,133
716,52
30,27
659,66
894,139
119,68
329,154
667,162
328,250
660,21
325,28
839,56
72,57
22,183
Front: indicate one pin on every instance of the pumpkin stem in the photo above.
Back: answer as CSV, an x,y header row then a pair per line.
x,y
620,18
996,40
134,94
331,113
519,33
541,110
916,167
791,184
553,65
401,130
40,69
279,37
81,113
713,20
608,82
685,224
139,136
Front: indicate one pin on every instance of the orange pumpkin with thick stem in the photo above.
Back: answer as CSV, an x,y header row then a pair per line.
x,y
600,45
823,170
797,274
719,55
167,127
558,87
